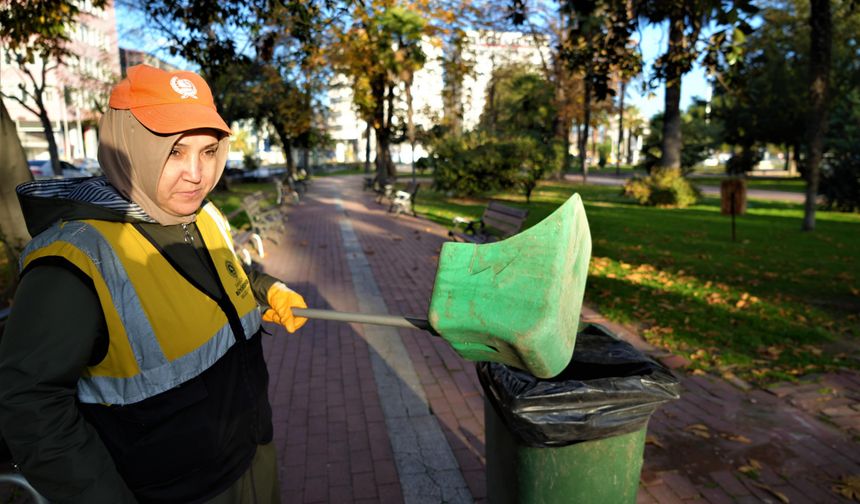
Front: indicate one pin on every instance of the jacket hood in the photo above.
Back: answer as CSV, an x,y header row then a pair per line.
x,y
45,202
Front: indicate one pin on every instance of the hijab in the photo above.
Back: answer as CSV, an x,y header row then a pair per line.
x,y
133,158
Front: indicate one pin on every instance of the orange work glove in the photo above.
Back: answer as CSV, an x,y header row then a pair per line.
x,y
282,300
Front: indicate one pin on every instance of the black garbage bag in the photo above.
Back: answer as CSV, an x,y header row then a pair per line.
x,y
608,389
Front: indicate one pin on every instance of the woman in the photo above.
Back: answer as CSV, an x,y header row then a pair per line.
x,y
131,368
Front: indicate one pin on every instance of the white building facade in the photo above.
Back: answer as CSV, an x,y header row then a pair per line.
x,y
485,50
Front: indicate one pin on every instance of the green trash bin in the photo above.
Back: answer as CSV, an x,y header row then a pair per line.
x,y
578,437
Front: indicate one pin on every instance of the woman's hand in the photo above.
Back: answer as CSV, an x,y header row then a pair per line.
x,y
281,301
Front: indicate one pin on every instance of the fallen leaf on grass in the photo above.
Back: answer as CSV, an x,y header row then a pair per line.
x,y
651,439
848,487
700,430
779,495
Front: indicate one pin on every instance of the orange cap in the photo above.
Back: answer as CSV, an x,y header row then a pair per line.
x,y
167,102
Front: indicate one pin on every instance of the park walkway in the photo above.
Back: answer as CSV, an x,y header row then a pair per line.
x,y
372,414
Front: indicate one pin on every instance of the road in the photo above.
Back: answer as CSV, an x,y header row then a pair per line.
x,y
708,190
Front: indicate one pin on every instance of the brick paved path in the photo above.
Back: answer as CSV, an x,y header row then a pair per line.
x,y
342,440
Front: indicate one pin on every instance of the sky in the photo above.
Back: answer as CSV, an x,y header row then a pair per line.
x,y
654,40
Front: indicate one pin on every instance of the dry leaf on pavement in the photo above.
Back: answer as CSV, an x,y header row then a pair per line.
x,y
652,439
752,466
848,487
779,495
700,430
738,437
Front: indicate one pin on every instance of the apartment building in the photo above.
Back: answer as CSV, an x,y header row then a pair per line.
x,y
75,89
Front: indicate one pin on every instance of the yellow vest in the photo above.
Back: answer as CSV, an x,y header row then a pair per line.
x,y
163,330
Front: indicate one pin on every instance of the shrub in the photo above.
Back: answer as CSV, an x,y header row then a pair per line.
x,y
603,151
663,189
840,182
471,164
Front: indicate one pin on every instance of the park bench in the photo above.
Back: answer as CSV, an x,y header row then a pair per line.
x,y
503,219
292,192
264,222
404,201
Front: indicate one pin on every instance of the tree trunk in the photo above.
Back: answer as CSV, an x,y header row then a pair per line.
x,y
819,84
286,144
288,154
620,127
13,171
491,105
671,155
391,169
630,146
367,149
583,135
49,136
383,156
410,125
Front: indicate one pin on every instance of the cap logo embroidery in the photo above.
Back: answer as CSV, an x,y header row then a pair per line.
x,y
184,87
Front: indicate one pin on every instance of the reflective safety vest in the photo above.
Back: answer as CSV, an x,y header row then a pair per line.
x,y
163,330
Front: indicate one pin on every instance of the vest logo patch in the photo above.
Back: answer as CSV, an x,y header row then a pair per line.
x,y
231,269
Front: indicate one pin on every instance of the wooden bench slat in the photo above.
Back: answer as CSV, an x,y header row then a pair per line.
x,y
264,222
520,213
508,220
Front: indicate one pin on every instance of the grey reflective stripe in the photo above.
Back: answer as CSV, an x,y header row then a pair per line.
x,y
157,374
251,322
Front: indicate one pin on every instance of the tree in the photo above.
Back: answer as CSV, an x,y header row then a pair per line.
x,y
687,20
274,78
409,57
377,52
32,30
522,113
761,98
14,171
35,37
819,87
701,136
598,45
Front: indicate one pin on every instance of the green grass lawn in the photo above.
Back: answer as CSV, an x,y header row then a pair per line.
x,y
775,304
769,184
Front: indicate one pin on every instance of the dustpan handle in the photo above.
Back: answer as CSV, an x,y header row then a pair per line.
x,y
366,318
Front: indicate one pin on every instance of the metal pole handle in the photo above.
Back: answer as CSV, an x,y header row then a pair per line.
x,y
366,318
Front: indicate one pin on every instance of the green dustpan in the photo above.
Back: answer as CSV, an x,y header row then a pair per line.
x,y
516,301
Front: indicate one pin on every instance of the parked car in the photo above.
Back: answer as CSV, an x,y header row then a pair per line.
x,y
265,173
90,166
41,169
